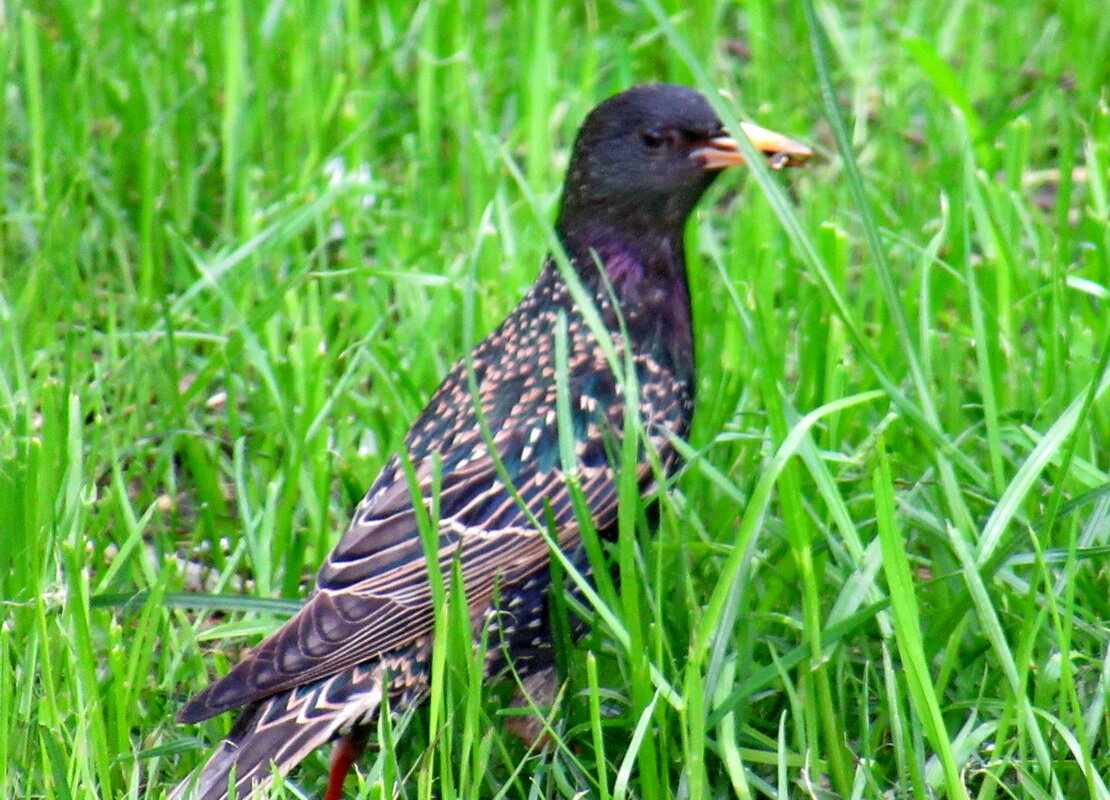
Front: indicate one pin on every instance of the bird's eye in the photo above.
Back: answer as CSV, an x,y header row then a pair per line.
x,y
653,139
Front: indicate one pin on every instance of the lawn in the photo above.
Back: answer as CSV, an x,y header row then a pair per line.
x,y
242,242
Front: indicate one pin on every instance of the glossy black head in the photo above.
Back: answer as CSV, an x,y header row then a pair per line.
x,y
634,159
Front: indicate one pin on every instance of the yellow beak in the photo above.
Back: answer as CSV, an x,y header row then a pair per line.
x,y
781,151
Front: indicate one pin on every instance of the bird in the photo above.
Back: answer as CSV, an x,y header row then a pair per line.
x,y
488,447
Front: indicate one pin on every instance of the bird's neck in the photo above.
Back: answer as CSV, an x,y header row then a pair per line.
x,y
644,267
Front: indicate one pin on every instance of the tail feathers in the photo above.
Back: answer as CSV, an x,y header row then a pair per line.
x,y
274,735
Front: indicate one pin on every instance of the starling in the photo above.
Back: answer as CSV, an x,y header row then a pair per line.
x,y
641,161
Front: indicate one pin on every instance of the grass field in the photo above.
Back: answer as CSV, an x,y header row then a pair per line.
x,y
242,242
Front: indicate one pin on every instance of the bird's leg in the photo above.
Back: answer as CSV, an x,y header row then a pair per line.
x,y
343,756
536,691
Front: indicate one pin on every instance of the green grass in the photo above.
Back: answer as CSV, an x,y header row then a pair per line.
x,y
885,571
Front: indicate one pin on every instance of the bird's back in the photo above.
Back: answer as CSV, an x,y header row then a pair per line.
x,y
487,447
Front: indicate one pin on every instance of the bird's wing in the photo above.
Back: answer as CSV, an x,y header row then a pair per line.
x,y
369,603
374,593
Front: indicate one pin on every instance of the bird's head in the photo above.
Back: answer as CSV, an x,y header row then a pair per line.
x,y
645,156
